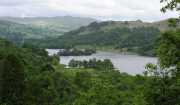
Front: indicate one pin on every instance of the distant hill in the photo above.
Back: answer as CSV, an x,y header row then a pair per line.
x,y
165,25
55,25
161,25
18,32
134,36
13,31
63,32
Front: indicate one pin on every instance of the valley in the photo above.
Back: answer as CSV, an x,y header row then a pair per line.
x,y
75,32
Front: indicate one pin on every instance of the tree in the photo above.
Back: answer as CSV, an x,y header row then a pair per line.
x,y
12,80
163,87
108,64
83,80
170,5
169,49
73,63
160,88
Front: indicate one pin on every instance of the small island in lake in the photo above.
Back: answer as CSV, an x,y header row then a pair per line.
x,y
76,52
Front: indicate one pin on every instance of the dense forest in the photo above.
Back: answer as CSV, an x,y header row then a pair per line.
x,y
30,77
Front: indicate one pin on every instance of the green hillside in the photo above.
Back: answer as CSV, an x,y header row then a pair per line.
x,y
14,32
55,25
107,35
162,25
18,32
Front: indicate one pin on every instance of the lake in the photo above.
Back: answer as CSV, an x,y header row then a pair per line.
x,y
129,63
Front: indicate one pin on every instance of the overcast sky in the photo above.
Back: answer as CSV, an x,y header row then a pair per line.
x,y
147,10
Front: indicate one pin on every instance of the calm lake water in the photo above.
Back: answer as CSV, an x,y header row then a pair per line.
x,y
131,64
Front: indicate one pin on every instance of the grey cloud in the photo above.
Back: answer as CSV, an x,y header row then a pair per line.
x,y
13,2
148,10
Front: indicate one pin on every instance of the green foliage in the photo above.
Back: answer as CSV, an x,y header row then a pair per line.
x,y
105,65
173,22
37,79
169,50
93,82
28,76
163,88
170,5
11,79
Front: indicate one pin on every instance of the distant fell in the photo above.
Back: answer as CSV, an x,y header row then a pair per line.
x,y
162,25
57,24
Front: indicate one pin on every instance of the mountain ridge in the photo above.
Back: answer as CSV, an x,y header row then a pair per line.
x,y
57,24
